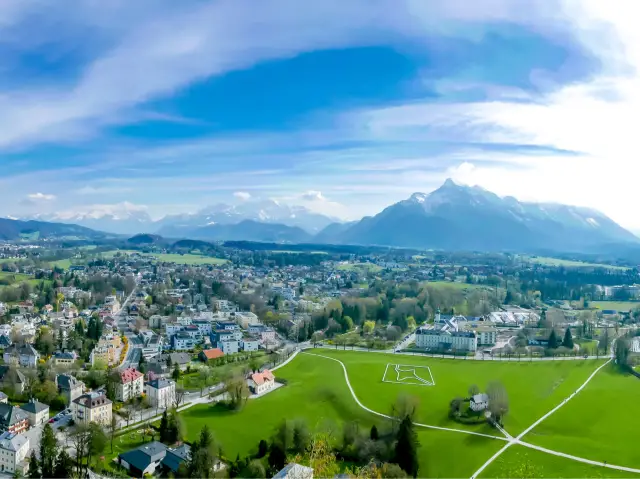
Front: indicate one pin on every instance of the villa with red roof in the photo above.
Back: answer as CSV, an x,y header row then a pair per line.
x,y
261,382
131,384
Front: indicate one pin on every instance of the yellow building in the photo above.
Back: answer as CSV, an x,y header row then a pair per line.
x,y
91,407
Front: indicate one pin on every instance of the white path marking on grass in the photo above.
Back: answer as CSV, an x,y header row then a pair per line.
x,y
516,440
346,377
289,359
579,459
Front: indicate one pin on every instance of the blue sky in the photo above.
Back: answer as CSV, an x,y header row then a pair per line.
x,y
343,107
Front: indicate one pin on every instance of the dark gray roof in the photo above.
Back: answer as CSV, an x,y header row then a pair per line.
x,y
22,349
67,382
10,415
11,375
34,407
141,457
159,383
176,456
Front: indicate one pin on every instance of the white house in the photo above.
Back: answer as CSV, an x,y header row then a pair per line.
x,y
261,382
228,347
161,393
24,355
13,451
37,412
131,385
479,402
440,339
249,344
182,342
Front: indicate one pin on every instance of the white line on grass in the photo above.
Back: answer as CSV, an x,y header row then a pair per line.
x,y
516,440
346,377
384,376
579,459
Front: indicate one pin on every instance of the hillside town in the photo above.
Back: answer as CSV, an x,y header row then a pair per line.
x,y
121,339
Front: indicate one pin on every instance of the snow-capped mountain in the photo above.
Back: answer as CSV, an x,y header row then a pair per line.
x,y
267,211
472,218
121,218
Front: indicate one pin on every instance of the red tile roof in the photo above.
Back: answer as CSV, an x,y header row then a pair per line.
x,y
213,353
129,375
261,378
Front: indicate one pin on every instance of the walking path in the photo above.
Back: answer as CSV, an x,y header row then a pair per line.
x,y
510,440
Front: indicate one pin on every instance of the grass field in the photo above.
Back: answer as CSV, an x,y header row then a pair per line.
x,y
61,263
621,306
451,284
598,424
547,261
369,267
521,461
188,259
533,387
317,392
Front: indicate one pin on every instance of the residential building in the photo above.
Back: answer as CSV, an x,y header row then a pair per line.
x,y
23,354
105,355
228,325
261,382
152,345
13,419
479,402
12,378
208,354
161,393
37,412
229,346
91,407
64,358
143,460
487,335
249,344
294,471
69,387
175,457
246,319
13,452
4,398
182,342
435,339
131,384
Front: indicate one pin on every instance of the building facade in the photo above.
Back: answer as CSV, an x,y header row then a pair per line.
x,y
131,385
92,407
161,393
13,452
434,339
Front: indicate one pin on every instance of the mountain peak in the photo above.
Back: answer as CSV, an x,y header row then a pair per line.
x,y
449,183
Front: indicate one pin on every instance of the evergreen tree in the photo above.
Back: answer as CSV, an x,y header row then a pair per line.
x,y
164,427
374,433
48,451
202,456
406,451
553,340
263,447
34,467
567,342
64,465
176,373
277,457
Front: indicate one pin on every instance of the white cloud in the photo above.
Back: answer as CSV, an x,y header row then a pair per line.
x,y
312,195
41,197
242,195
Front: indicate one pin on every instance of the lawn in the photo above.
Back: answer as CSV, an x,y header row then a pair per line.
x,y
61,263
533,387
455,285
188,259
621,306
521,461
588,345
547,261
317,392
598,423
369,267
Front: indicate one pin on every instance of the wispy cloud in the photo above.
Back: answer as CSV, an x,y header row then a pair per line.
x,y
41,197
242,195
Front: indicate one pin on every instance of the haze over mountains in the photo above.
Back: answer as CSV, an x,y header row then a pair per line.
x,y
453,217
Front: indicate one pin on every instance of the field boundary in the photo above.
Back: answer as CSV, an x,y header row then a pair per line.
x,y
407,368
427,426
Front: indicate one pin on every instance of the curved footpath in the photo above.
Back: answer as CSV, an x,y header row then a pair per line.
x,y
510,440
